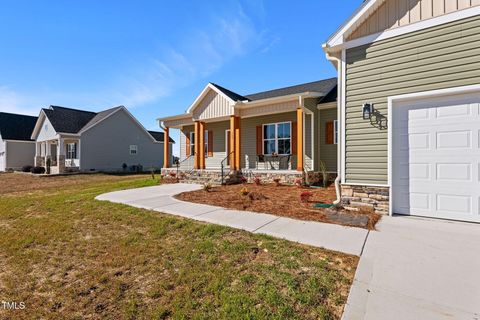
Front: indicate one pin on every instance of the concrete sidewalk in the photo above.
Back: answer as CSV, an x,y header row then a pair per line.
x,y
160,198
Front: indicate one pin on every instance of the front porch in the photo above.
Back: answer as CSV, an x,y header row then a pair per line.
x,y
61,155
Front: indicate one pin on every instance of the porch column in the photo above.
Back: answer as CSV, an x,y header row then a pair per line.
x,y
237,143
196,157
299,139
202,144
166,147
233,147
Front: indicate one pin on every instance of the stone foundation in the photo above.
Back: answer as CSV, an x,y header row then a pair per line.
x,y
215,176
376,198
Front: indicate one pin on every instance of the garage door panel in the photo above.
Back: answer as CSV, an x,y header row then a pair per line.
x,y
436,158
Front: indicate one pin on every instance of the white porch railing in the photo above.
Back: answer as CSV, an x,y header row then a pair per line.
x,y
72,162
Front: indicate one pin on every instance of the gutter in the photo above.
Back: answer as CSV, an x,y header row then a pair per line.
x,y
337,62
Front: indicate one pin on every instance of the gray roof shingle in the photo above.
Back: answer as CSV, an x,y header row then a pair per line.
x,y
159,136
67,120
16,126
232,95
323,87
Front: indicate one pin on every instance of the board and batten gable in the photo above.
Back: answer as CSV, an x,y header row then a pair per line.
x,y
439,57
106,146
47,131
398,13
213,105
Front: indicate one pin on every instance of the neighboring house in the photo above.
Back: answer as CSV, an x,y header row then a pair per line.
x,y
78,140
288,130
409,79
17,149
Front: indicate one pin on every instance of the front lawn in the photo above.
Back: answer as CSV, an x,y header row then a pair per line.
x,y
66,255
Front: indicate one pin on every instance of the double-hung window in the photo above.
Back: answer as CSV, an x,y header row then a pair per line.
x,y
277,138
192,142
133,149
71,151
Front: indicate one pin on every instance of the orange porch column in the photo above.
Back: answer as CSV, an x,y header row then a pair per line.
x,y
166,147
299,139
196,156
237,143
202,145
233,148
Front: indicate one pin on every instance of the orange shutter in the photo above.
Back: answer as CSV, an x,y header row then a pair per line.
x,y
210,143
294,138
329,132
189,152
259,140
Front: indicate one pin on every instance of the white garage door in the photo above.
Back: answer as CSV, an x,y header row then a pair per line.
x,y
436,158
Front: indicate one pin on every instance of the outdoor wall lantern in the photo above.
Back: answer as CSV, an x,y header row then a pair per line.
x,y
367,111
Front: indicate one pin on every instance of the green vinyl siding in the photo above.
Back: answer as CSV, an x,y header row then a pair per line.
x,y
328,152
440,57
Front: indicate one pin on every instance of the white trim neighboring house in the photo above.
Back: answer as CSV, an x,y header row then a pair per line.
x,y
102,141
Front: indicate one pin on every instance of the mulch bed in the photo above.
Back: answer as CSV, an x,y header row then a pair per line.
x,y
282,201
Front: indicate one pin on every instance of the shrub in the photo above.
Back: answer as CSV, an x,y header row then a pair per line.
x,y
124,166
27,168
207,187
172,174
277,182
257,181
37,170
244,191
306,196
243,180
299,182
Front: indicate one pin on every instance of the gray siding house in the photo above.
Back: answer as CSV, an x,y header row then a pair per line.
x,y
77,140
17,149
284,132
409,79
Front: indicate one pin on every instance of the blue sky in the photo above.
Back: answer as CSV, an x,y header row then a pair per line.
x,y
155,57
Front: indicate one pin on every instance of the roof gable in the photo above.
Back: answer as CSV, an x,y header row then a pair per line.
x,y
16,126
228,95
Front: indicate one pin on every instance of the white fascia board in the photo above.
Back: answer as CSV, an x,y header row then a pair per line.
x,y
202,95
339,36
295,96
40,120
21,141
328,105
417,26
176,117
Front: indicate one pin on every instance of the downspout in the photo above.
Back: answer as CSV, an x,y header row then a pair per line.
x,y
338,63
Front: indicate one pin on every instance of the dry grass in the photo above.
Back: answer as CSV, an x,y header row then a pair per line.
x,y
68,256
280,200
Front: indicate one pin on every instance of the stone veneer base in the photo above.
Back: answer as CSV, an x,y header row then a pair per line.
x,y
376,198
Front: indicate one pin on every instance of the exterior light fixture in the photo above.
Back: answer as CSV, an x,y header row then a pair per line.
x,y
367,111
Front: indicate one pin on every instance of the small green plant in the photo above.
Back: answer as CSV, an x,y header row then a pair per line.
x,y
207,187
277,182
244,191
152,172
323,171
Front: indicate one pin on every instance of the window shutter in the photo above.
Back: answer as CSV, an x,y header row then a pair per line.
x,y
259,140
210,143
329,132
294,138
187,144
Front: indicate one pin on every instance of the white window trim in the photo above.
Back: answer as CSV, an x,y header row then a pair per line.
x,y
192,142
335,131
276,136
69,151
133,147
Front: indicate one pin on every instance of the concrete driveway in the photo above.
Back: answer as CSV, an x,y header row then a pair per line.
x,y
417,268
